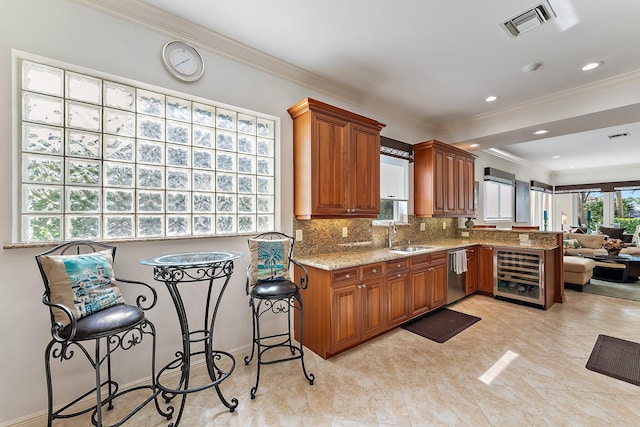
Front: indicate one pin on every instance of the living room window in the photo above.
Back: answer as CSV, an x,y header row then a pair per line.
x,y
102,158
604,204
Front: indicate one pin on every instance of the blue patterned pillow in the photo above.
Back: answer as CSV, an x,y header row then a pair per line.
x,y
83,283
269,259
571,244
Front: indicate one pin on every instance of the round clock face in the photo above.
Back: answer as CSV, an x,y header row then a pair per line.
x,y
182,61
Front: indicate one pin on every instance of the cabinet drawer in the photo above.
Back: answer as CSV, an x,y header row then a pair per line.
x,y
397,265
371,270
438,258
419,261
345,276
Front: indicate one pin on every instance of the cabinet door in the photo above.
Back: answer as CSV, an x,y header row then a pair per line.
x,y
345,320
439,182
397,297
420,292
364,171
450,183
469,187
461,186
439,287
329,165
372,308
485,269
471,284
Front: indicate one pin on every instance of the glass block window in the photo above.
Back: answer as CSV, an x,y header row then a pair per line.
x,y
103,159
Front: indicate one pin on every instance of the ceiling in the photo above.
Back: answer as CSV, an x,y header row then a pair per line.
x,y
436,61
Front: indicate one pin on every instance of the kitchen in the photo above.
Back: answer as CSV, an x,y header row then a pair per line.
x,y
71,32
343,255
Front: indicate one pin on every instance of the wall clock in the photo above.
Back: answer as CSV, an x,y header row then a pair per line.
x,y
183,61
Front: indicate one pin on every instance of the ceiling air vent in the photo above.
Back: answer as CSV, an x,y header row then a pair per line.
x,y
528,20
619,135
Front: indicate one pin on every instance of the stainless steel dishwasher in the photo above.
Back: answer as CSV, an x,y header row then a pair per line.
x,y
456,275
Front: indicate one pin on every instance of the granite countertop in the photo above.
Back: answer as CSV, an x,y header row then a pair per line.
x,y
358,257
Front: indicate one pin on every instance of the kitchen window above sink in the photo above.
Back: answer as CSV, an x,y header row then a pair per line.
x,y
394,184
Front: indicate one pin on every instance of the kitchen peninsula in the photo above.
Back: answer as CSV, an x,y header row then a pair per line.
x,y
360,290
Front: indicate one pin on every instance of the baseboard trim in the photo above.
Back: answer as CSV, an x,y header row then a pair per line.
x,y
39,419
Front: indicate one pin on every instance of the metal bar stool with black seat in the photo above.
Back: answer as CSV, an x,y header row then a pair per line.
x,y
86,307
270,290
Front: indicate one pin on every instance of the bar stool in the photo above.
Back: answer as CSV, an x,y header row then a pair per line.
x,y
270,290
87,310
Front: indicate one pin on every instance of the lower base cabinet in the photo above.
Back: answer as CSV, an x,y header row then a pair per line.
x,y
397,292
471,284
485,269
343,308
438,276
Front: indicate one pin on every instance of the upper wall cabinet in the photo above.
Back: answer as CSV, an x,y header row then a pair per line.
x,y
336,162
443,180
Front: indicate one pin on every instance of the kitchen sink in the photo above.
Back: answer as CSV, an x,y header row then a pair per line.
x,y
409,249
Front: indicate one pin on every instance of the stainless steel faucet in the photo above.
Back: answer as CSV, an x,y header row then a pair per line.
x,y
392,231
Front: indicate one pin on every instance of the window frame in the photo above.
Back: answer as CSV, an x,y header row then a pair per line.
x,y
500,203
274,220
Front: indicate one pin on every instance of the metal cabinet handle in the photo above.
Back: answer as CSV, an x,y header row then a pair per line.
x,y
398,275
374,270
346,276
398,265
364,285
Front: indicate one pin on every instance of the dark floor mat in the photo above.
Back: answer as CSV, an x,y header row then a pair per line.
x,y
441,325
616,358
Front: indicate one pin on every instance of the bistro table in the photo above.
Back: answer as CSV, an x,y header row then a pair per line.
x,y
175,270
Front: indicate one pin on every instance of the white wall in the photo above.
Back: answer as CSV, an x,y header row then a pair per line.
x,y
522,173
69,32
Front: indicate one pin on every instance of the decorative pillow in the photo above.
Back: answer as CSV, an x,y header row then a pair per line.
x,y
269,259
84,283
571,244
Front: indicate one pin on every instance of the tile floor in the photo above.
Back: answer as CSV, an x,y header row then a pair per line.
x,y
518,366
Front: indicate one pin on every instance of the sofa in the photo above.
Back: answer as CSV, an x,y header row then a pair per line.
x,y
577,271
576,244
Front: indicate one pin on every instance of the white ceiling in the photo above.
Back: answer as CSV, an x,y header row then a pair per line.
x,y
436,61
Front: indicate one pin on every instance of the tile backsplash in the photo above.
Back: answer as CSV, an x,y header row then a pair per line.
x,y
326,235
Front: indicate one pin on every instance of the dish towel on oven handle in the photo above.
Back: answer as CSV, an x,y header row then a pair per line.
x,y
458,261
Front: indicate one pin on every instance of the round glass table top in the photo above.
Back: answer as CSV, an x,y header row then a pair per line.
x,y
191,259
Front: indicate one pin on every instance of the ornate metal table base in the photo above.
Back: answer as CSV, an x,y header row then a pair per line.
x,y
176,270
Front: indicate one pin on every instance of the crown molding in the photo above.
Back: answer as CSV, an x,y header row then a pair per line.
x,y
621,83
496,152
158,20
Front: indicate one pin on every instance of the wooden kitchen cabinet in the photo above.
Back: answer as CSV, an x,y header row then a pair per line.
x,y
372,293
486,269
471,284
357,306
336,162
397,292
419,285
443,180
345,307
438,276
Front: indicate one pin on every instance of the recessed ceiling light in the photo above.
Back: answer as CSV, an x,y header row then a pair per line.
x,y
592,66
541,132
473,145
530,68
556,157
491,98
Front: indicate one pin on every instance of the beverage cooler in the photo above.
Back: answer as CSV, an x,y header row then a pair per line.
x,y
520,275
